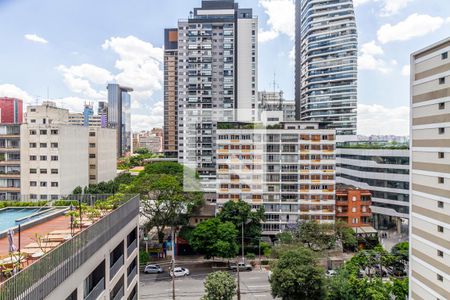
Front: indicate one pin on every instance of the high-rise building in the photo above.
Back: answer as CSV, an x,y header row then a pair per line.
x,y
171,92
119,116
11,110
103,113
79,120
382,169
274,101
289,168
430,172
326,54
217,79
9,161
88,113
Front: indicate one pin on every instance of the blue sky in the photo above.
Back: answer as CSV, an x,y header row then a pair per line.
x,y
69,49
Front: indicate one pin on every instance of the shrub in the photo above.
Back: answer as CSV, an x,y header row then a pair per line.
x,y
250,256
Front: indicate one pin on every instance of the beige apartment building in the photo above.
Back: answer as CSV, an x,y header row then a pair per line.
x,y
430,173
56,157
289,168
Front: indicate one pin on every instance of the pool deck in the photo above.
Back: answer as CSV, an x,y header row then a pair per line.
x,y
28,236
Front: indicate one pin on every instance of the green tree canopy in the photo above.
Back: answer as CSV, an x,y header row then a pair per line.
x,y
315,236
219,286
215,238
297,276
142,151
239,212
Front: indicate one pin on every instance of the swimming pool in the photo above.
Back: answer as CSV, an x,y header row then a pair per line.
x,y
13,216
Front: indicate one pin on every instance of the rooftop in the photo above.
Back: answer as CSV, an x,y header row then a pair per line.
x,y
374,145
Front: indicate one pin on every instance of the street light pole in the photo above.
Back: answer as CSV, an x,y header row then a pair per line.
x,y
243,224
173,264
238,280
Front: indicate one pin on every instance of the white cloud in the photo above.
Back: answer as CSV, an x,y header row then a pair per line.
x,y
357,3
35,38
281,19
12,91
406,70
92,73
153,120
391,7
377,119
369,58
414,26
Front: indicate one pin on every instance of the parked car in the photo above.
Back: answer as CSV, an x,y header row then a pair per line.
x,y
242,267
153,269
179,272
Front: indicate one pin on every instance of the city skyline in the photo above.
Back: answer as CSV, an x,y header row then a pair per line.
x,y
77,68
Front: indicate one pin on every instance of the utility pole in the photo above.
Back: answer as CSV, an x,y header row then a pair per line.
x,y
238,280
173,264
243,224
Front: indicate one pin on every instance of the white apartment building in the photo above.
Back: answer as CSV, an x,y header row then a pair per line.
x,y
289,168
57,157
430,173
382,171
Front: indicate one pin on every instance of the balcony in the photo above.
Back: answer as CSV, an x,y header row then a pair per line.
x,y
131,276
131,248
116,267
96,291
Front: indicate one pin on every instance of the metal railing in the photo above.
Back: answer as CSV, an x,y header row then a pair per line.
x,y
85,199
131,276
115,267
131,248
96,291
39,279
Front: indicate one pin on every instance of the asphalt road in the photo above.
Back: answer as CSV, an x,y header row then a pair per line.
x,y
254,284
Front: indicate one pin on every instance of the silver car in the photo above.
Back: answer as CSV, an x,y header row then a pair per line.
x,y
153,269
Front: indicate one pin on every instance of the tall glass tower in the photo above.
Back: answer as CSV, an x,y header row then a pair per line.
x,y
326,63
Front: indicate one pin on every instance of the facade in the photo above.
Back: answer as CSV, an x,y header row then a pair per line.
x,y
80,120
100,262
102,154
150,140
382,171
353,207
430,172
11,110
9,161
103,113
274,101
171,92
119,116
326,63
217,79
288,168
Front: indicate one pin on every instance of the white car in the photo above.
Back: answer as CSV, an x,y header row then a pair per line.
x,y
331,273
153,269
179,272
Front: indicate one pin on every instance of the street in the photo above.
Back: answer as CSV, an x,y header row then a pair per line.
x,y
254,284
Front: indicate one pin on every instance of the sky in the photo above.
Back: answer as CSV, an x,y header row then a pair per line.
x,y
67,51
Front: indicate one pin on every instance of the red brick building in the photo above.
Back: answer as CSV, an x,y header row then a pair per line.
x,y
11,110
353,207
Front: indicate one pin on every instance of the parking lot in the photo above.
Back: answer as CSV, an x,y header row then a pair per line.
x,y
254,284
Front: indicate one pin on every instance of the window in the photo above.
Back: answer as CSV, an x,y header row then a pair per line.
x,y
43,131
440,253
442,80
355,221
92,177
43,197
33,145
440,204
442,105
91,155
33,183
43,157
33,109
43,183
353,209
444,55
91,133
441,130
54,145
43,145
354,199
54,132
91,145
54,157
54,171
32,132
92,167
441,180
440,277
33,171
33,121
440,228
43,171
54,184
33,157
441,155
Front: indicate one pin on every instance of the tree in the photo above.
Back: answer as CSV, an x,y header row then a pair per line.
x,y
315,236
78,190
163,201
297,276
142,151
241,212
167,168
400,289
219,286
215,238
347,236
